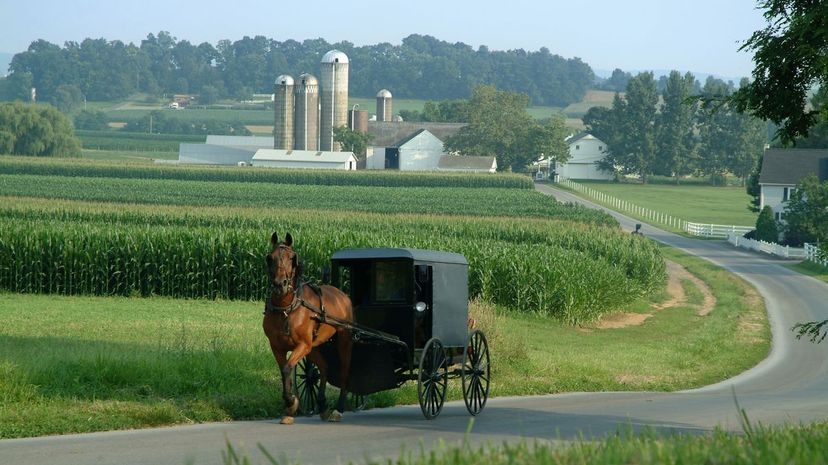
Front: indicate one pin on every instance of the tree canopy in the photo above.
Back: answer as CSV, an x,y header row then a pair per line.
x,y
37,130
421,67
499,126
790,58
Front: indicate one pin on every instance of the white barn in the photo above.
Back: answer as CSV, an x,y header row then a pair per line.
x,y
782,169
584,151
420,151
310,159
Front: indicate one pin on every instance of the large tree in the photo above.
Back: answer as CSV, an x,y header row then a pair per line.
x,y
675,137
629,128
790,58
38,130
499,126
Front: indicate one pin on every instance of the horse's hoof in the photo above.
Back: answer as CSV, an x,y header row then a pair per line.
x,y
325,414
287,420
334,417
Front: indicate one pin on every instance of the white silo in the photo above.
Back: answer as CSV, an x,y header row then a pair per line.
x,y
334,108
307,113
384,109
283,113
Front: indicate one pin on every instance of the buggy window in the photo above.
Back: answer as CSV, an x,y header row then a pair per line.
x,y
391,282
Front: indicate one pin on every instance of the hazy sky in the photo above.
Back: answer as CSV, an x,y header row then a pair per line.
x,y
700,35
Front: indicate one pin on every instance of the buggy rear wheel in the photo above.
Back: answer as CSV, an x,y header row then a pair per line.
x,y
475,372
432,378
306,379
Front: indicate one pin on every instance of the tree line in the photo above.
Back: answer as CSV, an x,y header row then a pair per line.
x,y
421,67
669,133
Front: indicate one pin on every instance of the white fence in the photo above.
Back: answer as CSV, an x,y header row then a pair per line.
x,y
767,247
813,254
697,229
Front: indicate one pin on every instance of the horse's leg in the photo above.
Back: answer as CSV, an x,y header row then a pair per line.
x,y
291,401
321,401
344,345
285,371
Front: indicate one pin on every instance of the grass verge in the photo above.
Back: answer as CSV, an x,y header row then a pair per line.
x,y
810,268
79,364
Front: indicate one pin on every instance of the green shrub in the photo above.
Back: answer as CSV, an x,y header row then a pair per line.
x,y
766,229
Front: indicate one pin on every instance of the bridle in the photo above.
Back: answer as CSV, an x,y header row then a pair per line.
x,y
288,286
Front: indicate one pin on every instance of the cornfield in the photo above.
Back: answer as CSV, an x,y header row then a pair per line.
x,y
570,270
53,167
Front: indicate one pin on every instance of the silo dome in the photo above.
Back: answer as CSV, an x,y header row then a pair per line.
x,y
334,56
308,80
284,80
384,94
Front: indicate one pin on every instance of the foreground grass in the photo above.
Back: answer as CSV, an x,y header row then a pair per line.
x,y
791,445
78,364
695,203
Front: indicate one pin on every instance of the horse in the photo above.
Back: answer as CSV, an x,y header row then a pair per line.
x,y
297,319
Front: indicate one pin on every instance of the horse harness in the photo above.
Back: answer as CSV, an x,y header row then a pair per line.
x,y
319,314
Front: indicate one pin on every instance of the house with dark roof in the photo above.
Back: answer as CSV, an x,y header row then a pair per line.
x,y
585,150
782,169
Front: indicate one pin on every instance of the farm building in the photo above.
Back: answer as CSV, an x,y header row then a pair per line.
x,y
782,169
305,159
407,146
208,154
466,164
584,151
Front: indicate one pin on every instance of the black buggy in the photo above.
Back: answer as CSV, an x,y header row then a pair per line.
x,y
411,324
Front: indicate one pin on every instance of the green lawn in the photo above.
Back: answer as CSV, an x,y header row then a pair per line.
x,y
811,269
75,364
692,202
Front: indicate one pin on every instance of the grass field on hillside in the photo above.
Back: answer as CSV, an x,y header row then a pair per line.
x,y
695,203
132,362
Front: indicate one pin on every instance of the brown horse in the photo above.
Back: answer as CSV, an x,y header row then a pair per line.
x,y
297,319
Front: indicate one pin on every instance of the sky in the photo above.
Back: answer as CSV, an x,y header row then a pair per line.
x,y
702,36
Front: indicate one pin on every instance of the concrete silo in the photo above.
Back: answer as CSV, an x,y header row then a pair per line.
x,y
384,108
283,113
307,113
334,111
358,120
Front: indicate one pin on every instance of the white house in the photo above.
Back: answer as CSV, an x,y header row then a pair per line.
x,y
782,169
466,164
305,159
584,151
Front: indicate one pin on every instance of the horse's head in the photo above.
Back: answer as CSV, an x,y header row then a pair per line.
x,y
282,266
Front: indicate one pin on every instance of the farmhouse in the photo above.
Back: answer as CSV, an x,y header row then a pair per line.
x,y
305,159
584,151
782,169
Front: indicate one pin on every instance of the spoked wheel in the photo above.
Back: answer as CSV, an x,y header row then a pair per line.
x,y
475,372
433,378
357,401
306,384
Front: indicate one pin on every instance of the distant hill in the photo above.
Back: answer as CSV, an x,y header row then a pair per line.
x,y
5,60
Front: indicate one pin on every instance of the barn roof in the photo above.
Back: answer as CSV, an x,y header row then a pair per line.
x,y
459,162
789,166
391,133
302,156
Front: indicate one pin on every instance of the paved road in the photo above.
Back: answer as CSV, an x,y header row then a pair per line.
x,y
791,385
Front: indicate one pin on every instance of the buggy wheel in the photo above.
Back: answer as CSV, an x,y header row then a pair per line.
x,y
432,378
306,384
475,372
357,401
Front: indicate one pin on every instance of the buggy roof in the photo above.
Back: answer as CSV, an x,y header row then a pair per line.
x,y
419,255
